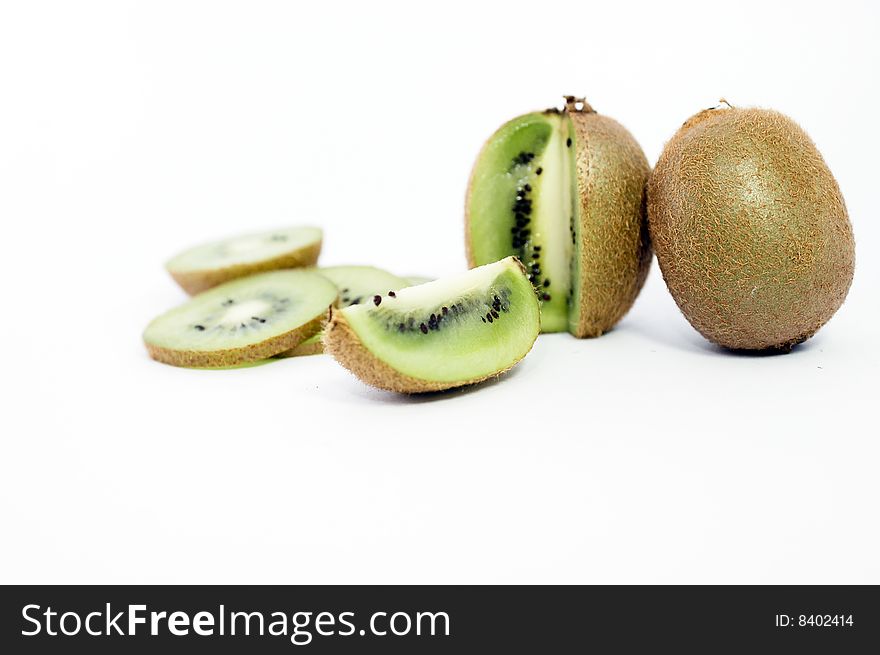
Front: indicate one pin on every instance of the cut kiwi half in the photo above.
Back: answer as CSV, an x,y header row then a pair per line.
x,y
519,193
210,264
447,333
243,320
356,284
563,190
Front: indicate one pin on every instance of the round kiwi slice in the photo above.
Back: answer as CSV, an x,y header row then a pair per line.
x,y
447,333
564,192
750,228
210,264
243,320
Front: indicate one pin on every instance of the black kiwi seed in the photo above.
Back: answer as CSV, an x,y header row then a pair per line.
x,y
377,300
200,328
401,328
257,318
228,301
546,283
489,316
483,318
423,328
546,296
391,294
494,314
445,310
568,143
539,171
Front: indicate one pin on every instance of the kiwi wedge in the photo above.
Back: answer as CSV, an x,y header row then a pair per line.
x,y
447,333
751,230
564,192
210,264
243,320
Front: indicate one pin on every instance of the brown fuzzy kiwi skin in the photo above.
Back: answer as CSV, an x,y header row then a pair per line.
x,y
233,356
750,229
304,349
613,247
194,282
346,348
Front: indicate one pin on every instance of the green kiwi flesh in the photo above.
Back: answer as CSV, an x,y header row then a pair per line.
x,y
356,284
243,320
202,267
519,202
415,280
447,333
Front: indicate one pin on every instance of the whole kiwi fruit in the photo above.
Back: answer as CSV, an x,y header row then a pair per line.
x,y
750,229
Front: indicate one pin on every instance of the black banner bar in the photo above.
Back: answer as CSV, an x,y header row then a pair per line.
x,y
446,619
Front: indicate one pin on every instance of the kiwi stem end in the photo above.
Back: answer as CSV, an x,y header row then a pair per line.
x,y
578,105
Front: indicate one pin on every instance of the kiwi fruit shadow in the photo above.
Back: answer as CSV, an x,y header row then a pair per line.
x,y
680,336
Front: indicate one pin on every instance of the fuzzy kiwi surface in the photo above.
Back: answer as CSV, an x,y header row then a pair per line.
x,y
750,229
447,333
207,265
242,321
564,191
311,346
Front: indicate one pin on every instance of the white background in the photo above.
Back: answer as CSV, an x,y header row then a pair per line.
x,y
131,130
